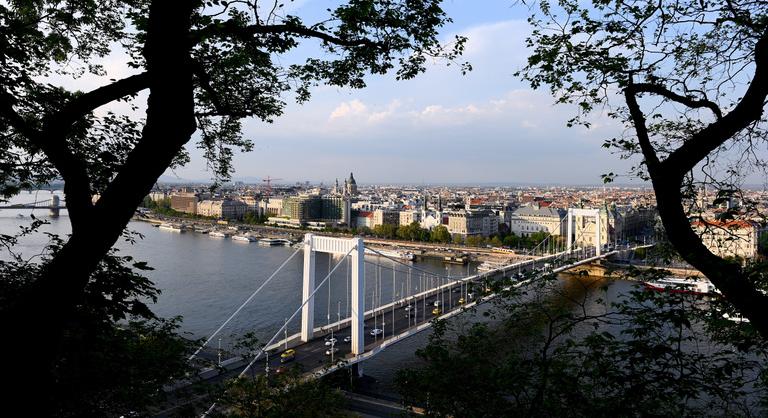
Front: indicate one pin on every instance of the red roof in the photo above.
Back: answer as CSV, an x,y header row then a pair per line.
x,y
364,214
735,224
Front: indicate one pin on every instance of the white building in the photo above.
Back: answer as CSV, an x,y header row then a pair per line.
x,y
222,209
407,217
729,239
531,219
469,223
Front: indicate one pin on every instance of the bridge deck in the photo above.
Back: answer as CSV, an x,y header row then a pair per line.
x,y
397,319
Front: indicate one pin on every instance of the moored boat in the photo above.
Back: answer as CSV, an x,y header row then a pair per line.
x,y
173,227
456,259
697,286
489,265
272,242
244,238
404,255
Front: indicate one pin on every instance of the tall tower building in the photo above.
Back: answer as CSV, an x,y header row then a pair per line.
x,y
350,185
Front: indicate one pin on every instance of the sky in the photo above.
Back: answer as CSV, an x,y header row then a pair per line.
x,y
440,128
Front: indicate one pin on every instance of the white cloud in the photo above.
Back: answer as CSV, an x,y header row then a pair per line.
x,y
346,109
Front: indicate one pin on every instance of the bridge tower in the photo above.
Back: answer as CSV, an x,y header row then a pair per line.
x,y
53,210
584,212
342,246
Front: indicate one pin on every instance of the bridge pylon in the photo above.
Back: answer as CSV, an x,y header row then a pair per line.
x,y
356,249
584,212
53,211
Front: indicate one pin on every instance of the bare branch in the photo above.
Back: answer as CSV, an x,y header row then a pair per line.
x,y
748,110
245,33
686,100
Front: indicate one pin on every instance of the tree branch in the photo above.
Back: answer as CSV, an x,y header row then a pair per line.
x,y
747,111
88,102
686,100
51,139
638,119
246,32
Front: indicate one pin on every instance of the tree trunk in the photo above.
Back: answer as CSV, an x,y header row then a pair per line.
x,y
37,322
727,276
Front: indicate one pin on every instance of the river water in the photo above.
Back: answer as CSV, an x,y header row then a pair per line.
x,y
204,279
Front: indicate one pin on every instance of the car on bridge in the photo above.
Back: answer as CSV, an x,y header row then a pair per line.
x,y
288,355
330,341
436,311
377,331
332,350
348,339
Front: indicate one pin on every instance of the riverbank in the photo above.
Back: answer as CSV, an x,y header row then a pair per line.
x,y
418,249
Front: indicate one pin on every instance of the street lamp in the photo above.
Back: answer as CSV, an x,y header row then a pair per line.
x,y
285,332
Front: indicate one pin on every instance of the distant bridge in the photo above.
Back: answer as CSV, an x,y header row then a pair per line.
x,y
54,205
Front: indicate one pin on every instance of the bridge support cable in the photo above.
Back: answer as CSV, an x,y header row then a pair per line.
x,y
347,279
328,311
272,340
394,273
237,311
262,350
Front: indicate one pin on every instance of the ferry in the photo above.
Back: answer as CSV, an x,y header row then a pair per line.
x,y
272,242
489,266
700,286
456,259
217,234
173,227
404,255
245,238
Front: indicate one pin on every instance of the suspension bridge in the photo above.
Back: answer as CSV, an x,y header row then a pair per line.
x,y
389,302
54,205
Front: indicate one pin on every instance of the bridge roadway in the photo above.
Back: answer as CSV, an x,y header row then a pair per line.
x,y
399,321
397,317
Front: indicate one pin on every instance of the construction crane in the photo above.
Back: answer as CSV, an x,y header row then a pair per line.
x,y
269,181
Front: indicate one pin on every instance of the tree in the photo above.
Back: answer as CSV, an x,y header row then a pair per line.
x,y
440,234
690,78
116,355
206,66
553,354
475,240
511,240
388,231
403,232
286,395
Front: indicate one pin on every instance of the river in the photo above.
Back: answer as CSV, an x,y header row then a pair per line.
x,y
204,279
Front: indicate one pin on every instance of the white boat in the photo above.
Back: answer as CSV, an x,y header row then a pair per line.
x,y
272,242
488,266
697,286
737,318
217,234
244,238
174,227
403,255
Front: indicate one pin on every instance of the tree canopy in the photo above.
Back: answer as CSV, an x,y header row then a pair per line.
x,y
687,81
206,66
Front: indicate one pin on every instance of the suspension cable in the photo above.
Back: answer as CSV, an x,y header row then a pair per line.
x,y
243,304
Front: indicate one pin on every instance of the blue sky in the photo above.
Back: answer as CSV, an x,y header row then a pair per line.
x,y
442,127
